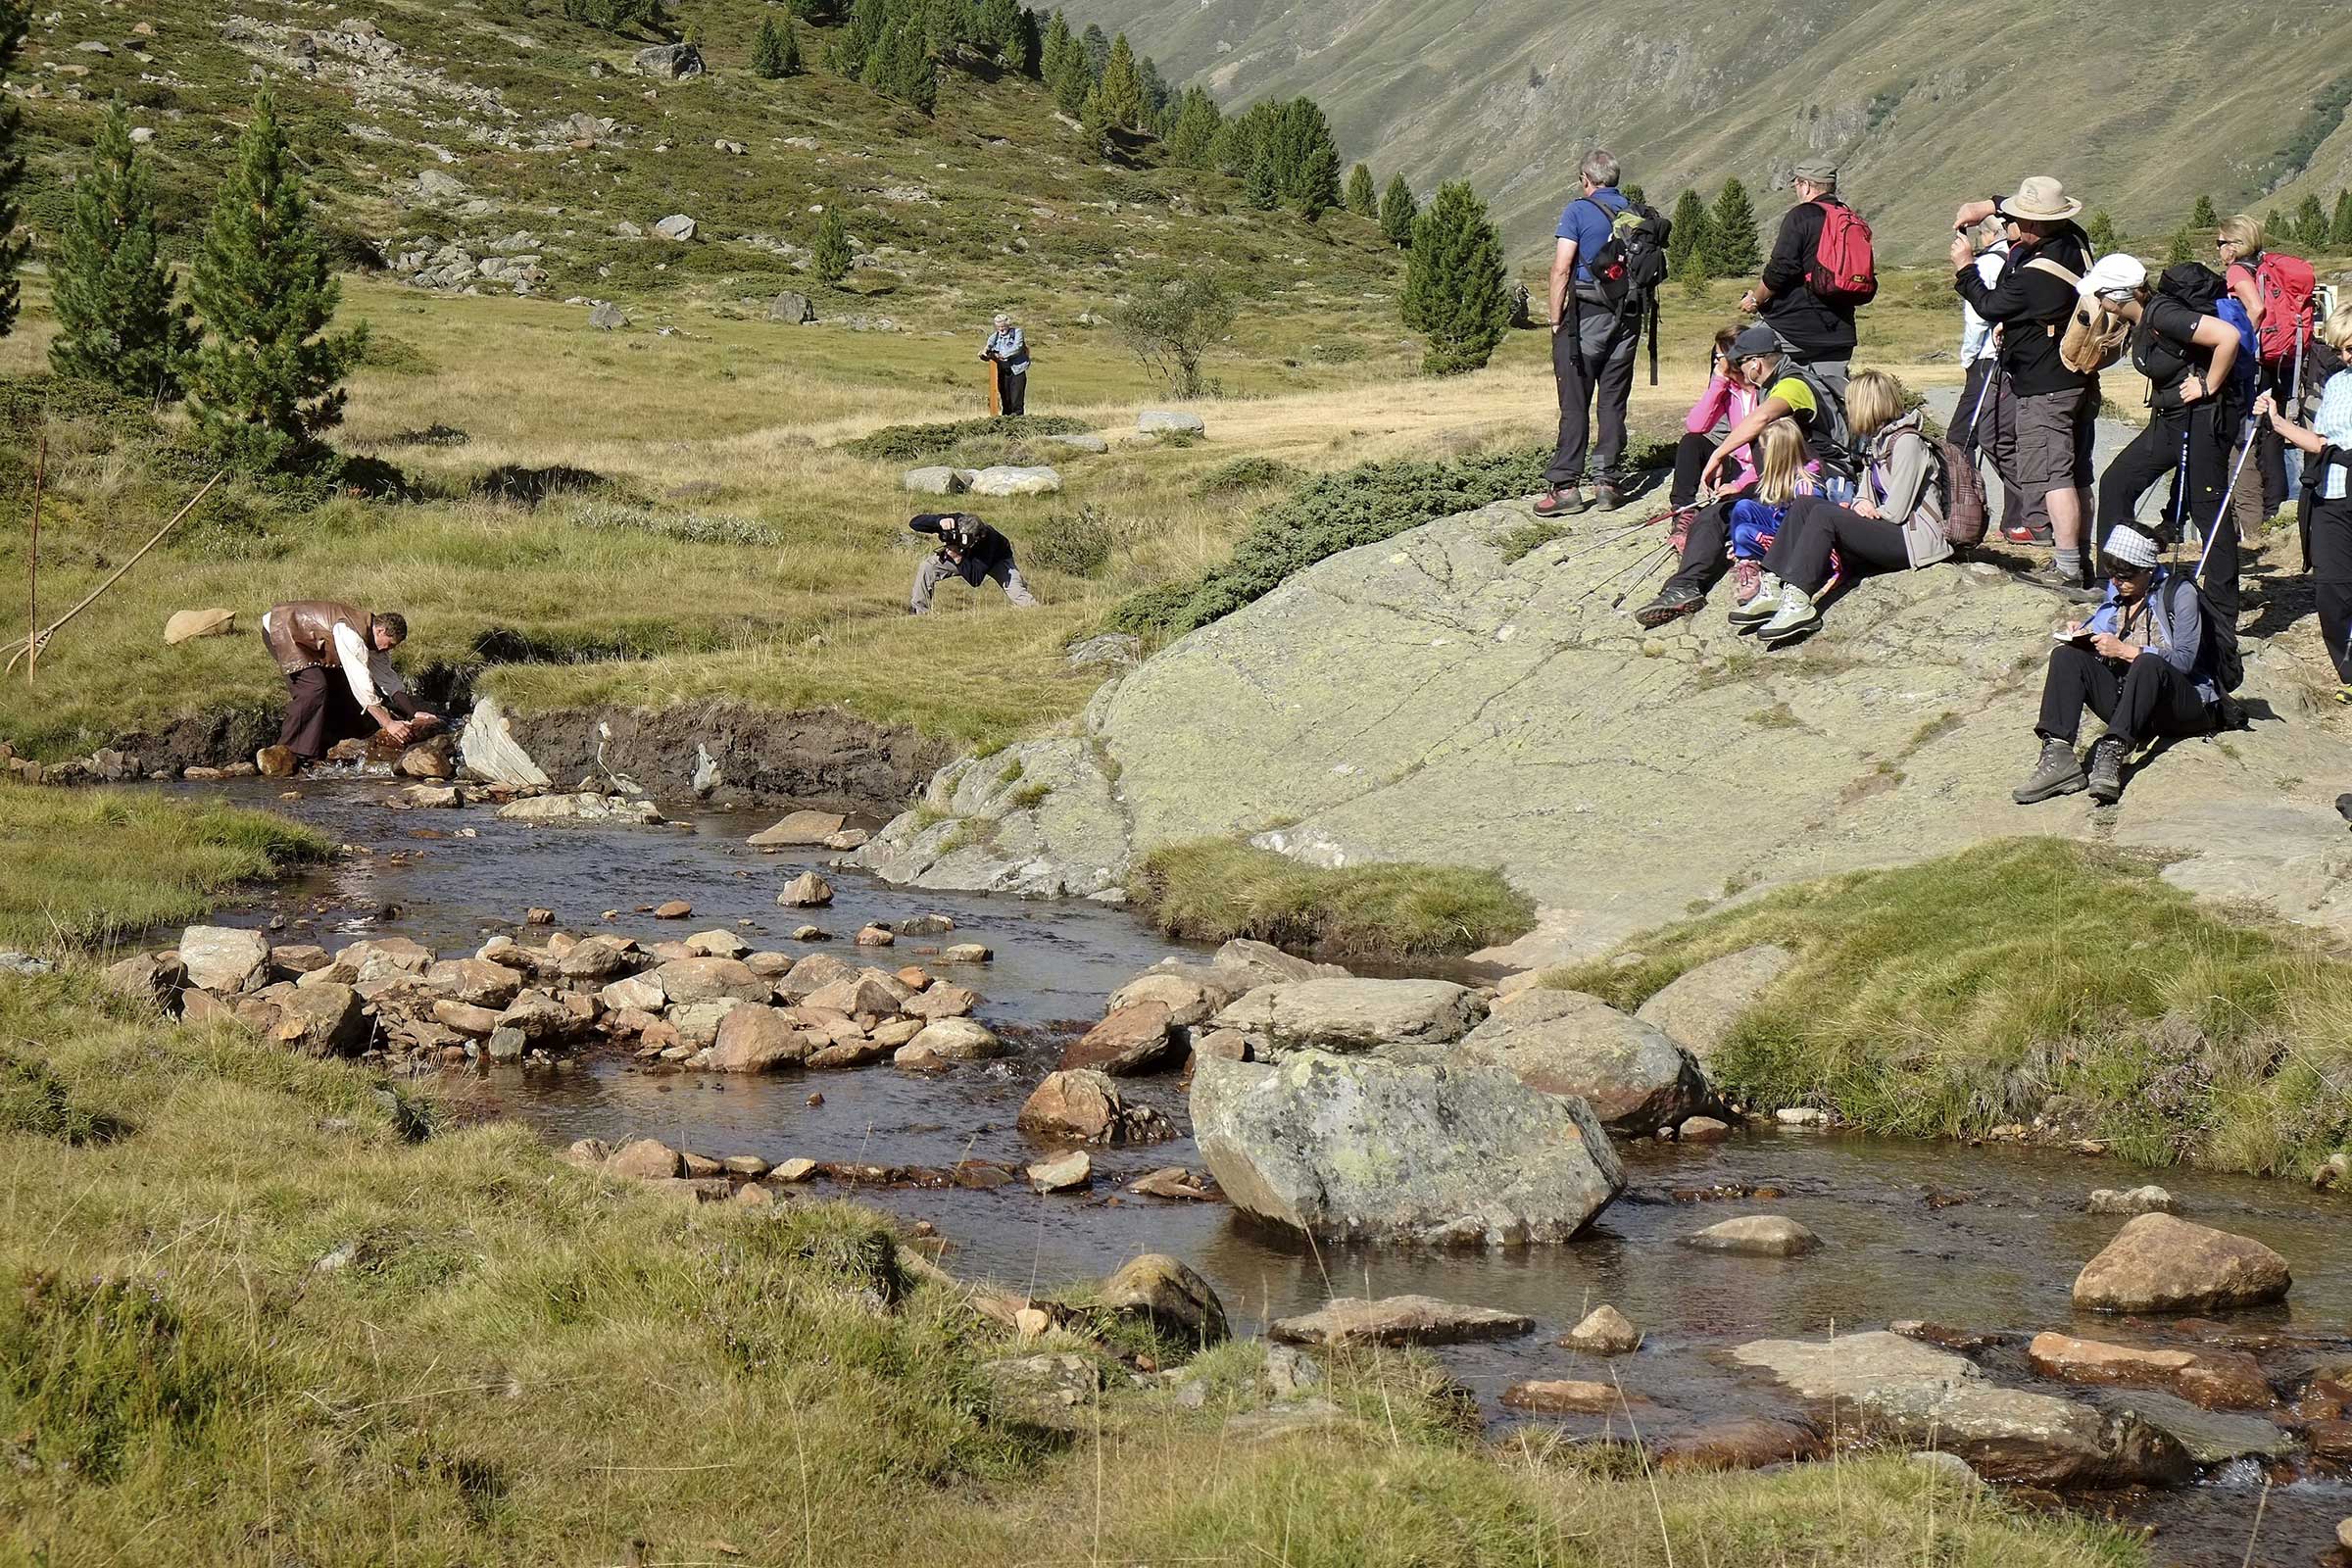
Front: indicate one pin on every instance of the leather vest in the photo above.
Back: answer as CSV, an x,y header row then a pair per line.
x,y
302,635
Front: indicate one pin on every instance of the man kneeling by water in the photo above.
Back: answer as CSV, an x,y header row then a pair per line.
x,y
968,548
2142,662
340,683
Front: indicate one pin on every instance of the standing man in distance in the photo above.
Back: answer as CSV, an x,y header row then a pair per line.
x,y
1010,351
1821,331
1591,350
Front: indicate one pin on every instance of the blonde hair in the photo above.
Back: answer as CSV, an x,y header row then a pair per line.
x,y
1874,400
1780,462
2336,330
2245,229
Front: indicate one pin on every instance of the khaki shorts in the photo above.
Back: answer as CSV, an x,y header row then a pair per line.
x,y
2054,432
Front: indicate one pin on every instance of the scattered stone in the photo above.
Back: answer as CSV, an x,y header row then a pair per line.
x,y
607,318
431,759
810,933
633,993
1698,1009
1060,1173
876,935
693,980
932,480
1801,1116
1170,421
794,1171
276,761
1132,1040
1104,648
2150,1200
473,981
1756,1236
185,625
1745,1443
1361,1149
960,1040
1605,1331
672,910
597,959
849,838
867,992
585,806
668,62
1176,1300
718,945
1081,441
1704,1130
1032,1322
757,1039
1635,1079
1566,1397
941,1002
1351,1014
1080,1104
923,925
807,891
645,1158
1036,480
1172,1182
800,829
321,1020
1192,993
539,918
2216,1379
793,309
812,974
224,960
464,1018
155,977
967,953
2158,1263
1398,1320
752,1194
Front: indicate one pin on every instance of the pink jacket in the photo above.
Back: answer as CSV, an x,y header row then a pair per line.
x,y
1724,404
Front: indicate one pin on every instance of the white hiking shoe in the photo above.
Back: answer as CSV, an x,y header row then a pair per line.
x,y
1795,616
1763,606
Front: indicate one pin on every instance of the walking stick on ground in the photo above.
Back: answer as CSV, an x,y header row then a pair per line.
x,y
1648,565
30,647
32,590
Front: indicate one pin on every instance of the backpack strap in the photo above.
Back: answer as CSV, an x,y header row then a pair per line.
x,y
2050,269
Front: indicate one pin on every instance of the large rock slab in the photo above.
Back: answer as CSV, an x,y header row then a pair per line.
x,y
2161,1263
1035,480
224,960
1925,1395
757,1039
2215,1379
685,981
1192,993
487,750
798,829
1635,1078
321,1020
1398,1320
1361,1149
1351,1014
1698,1009
1134,1039
580,808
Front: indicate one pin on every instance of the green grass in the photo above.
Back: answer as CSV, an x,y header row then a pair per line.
x,y
86,866
2023,978
1215,889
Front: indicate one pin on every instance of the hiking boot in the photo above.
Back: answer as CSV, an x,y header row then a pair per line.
x,y
2022,533
1794,617
1747,581
1606,496
1671,604
2107,771
2059,773
1762,605
2343,696
2059,583
1561,501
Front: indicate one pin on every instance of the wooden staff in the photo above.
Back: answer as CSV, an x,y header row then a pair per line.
x,y
996,388
30,647
33,592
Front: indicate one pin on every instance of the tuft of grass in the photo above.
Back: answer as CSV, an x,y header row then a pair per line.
x,y
1214,889
913,443
1254,472
1518,543
90,865
2025,978
1075,543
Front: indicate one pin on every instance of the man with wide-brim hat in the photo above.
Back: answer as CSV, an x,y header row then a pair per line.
x,y
1820,329
2056,407
2142,662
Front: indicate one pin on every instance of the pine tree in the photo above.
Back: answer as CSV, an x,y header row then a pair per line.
x,y
911,77
1032,47
1686,235
13,23
1397,212
2101,229
1053,47
879,70
855,46
1001,31
793,65
1094,120
1319,183
1362,200
262,386
944,24
1097,46
1122,87
2203,216
768,55
830,255
1634,195
1159,99
1455,291
1193,139
1264,190
2277,228
2339,233
2311,223
111,287
1731,247
2184,247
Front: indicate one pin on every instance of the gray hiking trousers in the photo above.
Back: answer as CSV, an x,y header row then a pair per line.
x,y
936,570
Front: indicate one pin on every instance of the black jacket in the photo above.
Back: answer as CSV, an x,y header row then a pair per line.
x,y
1818,329
985,551
2031,309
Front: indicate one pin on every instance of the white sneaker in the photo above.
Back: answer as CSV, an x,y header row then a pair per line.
x,y
1764,606
1793,618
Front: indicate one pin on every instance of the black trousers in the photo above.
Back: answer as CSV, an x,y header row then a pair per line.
x,y
2140,701
1976,430
1801,551
1705,556
1691,455
1593,368
2332,578
2278,379
320,711
2206,430
1014,386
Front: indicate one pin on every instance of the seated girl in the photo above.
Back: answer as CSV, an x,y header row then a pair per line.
x,y
1724,404
1787,472
1896,523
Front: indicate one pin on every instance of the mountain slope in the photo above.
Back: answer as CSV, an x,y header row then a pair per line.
x,y
1923,105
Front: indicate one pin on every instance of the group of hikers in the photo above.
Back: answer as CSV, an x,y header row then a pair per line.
x,y
1796,475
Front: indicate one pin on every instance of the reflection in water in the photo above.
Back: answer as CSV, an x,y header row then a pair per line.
x,y
2002,1260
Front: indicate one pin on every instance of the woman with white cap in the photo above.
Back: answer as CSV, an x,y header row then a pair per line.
x,y
2143,662
1010,351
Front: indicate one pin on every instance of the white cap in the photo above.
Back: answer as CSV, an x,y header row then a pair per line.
x,y
2114,275
1002,319
2129,547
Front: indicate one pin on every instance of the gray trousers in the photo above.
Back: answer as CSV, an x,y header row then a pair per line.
x,y
1593,368
937,569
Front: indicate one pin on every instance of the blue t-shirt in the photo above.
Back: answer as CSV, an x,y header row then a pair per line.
x,y
1585,223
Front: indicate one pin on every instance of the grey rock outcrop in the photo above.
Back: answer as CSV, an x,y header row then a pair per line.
x,y
1355,1148
1351,1014
937,480
791,309
1034,480
1566,1042
1170,421
1698,1009
668,62
224,960
487,750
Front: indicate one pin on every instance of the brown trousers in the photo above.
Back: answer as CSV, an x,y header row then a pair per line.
x,y
320,711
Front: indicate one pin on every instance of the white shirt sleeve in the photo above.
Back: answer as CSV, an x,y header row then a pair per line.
x,y
357,657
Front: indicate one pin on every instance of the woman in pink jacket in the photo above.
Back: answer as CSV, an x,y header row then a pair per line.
x,y
1724,404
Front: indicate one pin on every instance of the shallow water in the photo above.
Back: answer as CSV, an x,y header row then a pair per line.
x,y
1986,1240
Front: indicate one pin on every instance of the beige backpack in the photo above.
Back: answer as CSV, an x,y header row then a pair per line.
x,y
2096,336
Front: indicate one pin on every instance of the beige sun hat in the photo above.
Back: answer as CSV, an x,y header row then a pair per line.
x,y
2041,199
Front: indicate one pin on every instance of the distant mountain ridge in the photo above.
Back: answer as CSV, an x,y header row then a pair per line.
x,y
2136,113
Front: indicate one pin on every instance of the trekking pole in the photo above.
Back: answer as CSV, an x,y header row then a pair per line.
x,y
1603,543
1641,576
30,647
2245,449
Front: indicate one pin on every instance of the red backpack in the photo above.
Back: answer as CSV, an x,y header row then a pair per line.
x,y
1843,269
2286,284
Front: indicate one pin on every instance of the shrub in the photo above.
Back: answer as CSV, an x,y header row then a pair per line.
x,y
1254,472
913,443
1075,543
1216,889
692,527
1175,315
615,16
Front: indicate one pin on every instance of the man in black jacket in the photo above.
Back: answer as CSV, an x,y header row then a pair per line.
x,y
2056,408
1821,331
968,548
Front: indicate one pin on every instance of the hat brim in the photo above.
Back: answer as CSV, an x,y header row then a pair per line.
x,y
2058,215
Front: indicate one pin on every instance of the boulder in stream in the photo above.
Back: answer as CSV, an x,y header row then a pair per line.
x,y
1635,1079
1134,1039
1077,1103
224,960
799,830
1351,1014
1604,1331
1699,1007
1398,1320
1756,1236
2214,1379
1175,1299
2159,1263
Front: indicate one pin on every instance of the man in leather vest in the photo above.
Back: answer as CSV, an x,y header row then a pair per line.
x,y
340,683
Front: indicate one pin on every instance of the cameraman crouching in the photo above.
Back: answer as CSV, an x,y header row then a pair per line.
x,y
968,548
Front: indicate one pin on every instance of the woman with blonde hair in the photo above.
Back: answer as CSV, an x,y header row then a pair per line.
x,y
1784,471
1895,524
2326,506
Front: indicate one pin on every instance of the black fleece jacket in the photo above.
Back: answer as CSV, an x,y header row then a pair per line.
x,y
2032,308
1819,329
984,550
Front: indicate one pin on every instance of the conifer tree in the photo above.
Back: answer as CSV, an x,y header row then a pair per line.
x,y
1397,213
1122,87
1094,120
1264,189
2203,216
2311,223
855,46
1159,99
1001,31
2183,246
14,19
1686,235
830,255
263,385
113,292
878,72
1193,139
2339,233
1731,247
2100,230
1097,46
1455,291
2277,228
1319,183
1362,200
1634,195
793,65
768,55
911,77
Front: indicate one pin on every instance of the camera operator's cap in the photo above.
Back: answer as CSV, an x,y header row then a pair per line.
x,y
1757,342
2039,199
1820,171
2128,546
2116,273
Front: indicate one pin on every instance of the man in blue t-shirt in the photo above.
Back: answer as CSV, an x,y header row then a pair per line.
x,y
1592,350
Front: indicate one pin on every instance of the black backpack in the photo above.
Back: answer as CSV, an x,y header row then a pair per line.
x,y
1629,268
